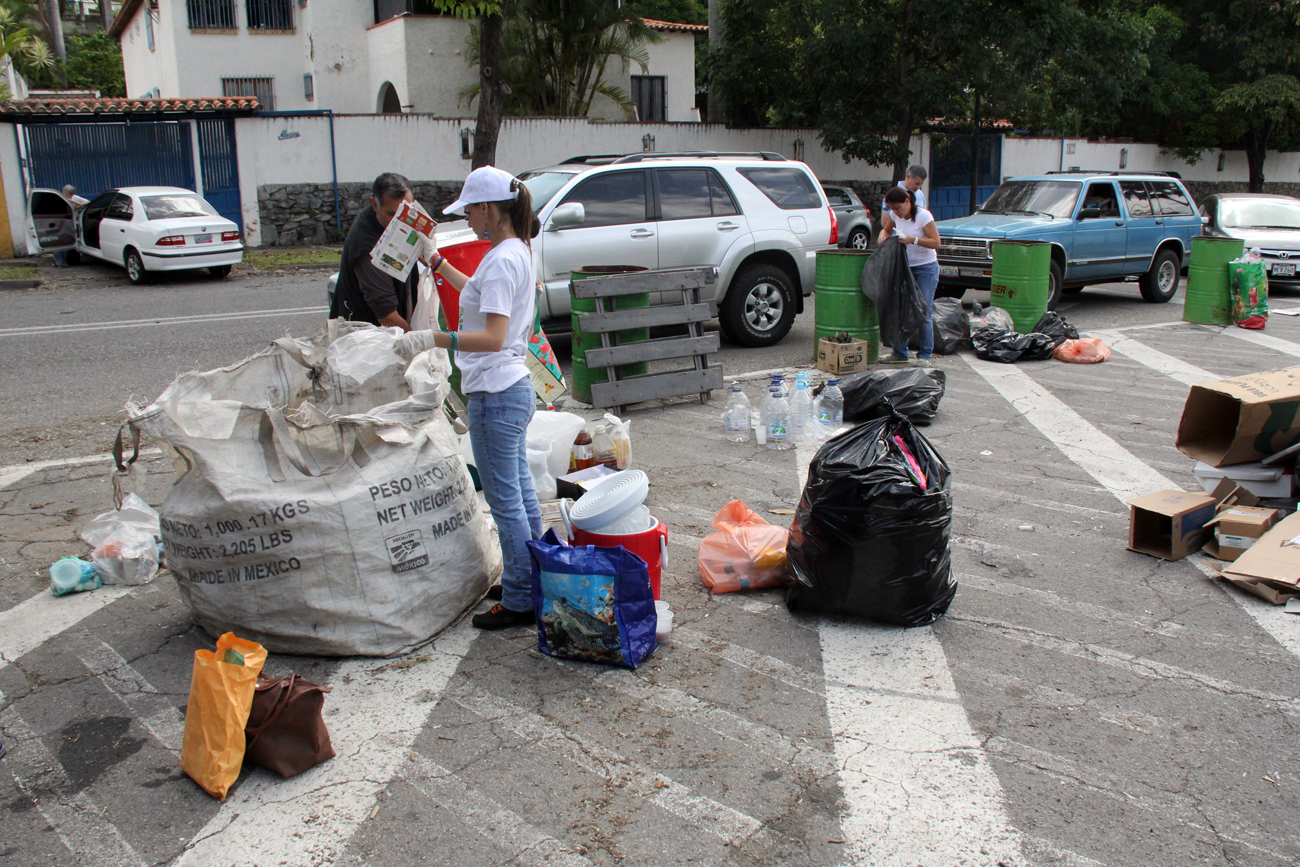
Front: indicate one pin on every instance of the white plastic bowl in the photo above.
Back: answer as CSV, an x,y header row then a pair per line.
x,y
609,500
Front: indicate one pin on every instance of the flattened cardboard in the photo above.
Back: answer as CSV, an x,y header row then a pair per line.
x,y
1249,418
841,358
1235,530
1170,524
1273,561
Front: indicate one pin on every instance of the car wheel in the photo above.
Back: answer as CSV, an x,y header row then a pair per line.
x,y
220,271
859,239
1160,283
1054,287
135,267
758,309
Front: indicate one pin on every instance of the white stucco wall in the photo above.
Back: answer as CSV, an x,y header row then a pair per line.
x,y
336,53
435,64
1031,156
15,199
673,58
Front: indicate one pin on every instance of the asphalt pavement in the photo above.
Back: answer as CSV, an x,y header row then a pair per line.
x,y
1079,704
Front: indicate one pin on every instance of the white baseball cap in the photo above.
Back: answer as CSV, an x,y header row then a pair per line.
x,y
486,184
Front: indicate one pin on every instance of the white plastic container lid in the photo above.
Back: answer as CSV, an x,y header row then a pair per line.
x,y
610,499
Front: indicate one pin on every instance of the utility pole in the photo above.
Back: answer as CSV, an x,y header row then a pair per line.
x,y
717,105
106,13
975,156
55,23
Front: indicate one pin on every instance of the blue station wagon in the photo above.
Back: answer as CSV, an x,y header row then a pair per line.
x,y
1104,227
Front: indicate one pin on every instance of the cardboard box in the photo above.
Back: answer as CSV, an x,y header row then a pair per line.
x,y
1235,530
1233,421
1271,567
1170,524
841,358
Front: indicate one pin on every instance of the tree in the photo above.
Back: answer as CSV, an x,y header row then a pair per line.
x,y
491,86
95,63
20,49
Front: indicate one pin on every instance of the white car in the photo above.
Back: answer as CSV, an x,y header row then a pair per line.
x,y
144,229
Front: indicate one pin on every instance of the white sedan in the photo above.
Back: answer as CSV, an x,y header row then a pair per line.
x,y
144,229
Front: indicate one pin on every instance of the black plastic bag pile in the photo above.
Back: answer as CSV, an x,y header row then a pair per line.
x,y
993,342
888,282
951,326
915,392
870,535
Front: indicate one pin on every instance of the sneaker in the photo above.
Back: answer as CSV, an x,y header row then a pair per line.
x,y
494,593
921,362
893,359
501,617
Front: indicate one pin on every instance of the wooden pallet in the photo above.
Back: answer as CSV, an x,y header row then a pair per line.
x,y
696,287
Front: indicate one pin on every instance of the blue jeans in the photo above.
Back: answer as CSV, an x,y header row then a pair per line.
x,y
927,280
498,428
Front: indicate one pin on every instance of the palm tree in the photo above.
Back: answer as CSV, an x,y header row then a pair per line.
x,y
554,55
20,50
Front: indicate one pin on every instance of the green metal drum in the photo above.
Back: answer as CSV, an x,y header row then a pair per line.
x,y
840,304
582,377
1022,281
1208,300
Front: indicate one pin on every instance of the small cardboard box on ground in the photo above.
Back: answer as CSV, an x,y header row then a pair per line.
x,y
1170,524
1271,567
1248,418
841,358
1235,530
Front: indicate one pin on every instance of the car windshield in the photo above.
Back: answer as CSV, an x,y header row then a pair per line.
x,y
1048,198
543,186
165,207
1259,213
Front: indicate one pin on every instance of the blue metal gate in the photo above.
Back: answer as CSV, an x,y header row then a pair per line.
x,y
94,157
219,166
950,164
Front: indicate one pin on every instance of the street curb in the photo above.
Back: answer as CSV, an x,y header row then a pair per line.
x,y
20,284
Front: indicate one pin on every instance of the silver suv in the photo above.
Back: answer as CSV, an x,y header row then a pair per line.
x,y
758,218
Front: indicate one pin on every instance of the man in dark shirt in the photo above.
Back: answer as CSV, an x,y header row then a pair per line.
x,y
363,292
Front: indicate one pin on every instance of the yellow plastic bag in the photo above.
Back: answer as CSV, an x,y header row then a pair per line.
x,y
747,553
221,695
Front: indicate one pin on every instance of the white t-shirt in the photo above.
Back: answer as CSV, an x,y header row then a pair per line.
x,y
916,254
504,283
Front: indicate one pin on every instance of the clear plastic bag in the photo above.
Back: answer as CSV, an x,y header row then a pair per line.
x,y
747,553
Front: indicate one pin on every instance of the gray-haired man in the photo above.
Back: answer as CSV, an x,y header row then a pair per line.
x,y
912,181
364,293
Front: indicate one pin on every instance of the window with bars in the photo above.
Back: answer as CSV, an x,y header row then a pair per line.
x,y
269,14
262,88
211,14
648,97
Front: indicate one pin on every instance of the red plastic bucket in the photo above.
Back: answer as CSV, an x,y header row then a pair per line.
x,y
465,258
649,545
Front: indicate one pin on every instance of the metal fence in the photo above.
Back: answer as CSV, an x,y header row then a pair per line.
x,y
262,88
211,14
269,14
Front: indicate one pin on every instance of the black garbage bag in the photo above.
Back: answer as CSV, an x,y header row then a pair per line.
x,y
951,325
887,280
915,392
866,539
1054,326
998,344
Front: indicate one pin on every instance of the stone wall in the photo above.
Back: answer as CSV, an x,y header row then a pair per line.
x,y
293,214
1201,189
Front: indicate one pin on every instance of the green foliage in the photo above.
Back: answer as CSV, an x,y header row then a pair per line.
x,y
95,63
29,55
676,11
467,8
554,55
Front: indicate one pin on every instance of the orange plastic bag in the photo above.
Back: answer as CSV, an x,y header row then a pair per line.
x,y
1085,350
747,553
221,695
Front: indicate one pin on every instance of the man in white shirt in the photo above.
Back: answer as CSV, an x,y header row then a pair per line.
x,y
69,193
916,176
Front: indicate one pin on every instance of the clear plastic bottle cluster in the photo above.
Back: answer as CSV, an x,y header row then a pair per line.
x,y
784,416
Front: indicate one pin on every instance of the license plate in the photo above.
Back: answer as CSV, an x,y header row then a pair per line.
x,y
949,271
203,239
1284,270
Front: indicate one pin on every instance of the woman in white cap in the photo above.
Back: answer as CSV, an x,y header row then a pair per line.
x,y
496,319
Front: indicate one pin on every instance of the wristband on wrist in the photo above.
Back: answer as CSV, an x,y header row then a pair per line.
x,y
455,341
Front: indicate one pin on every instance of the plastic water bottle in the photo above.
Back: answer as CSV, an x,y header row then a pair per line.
x,y
801,412
736,418
831,411
778,421
72,575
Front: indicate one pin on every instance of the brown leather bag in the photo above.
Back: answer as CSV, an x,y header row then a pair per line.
x,y
285,731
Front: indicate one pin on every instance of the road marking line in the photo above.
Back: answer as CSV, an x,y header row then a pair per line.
x,y
33,330
1117,469
373,714
914,793
30,624
1174,368
76,819
1266,340
15,473
503,827
777,669
726,823
163,719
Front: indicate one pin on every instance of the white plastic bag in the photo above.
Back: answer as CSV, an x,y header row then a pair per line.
x,y
620,432
128,555
135,513
315,517
425,315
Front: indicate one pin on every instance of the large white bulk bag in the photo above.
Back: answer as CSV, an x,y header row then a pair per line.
x,y
323,506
